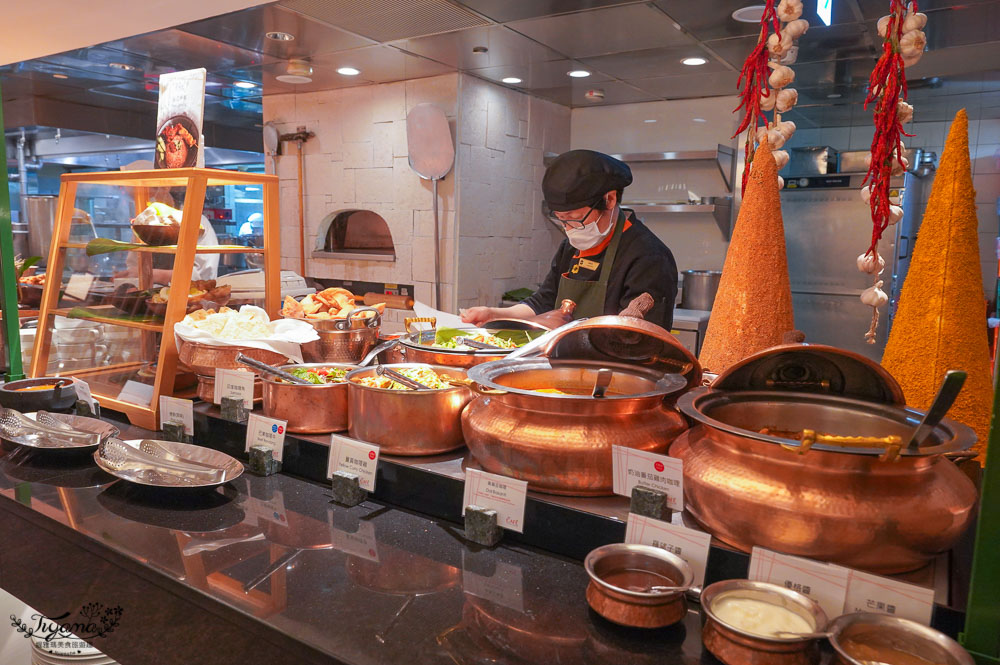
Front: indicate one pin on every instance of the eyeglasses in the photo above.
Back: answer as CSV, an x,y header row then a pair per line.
x,y
570,223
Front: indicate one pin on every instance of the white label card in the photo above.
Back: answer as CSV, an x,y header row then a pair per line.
x,y
659,472
234,384
355,457
871,593
78,286
134,392
504,587
177,411
505,495
83,393
269,432
688,544
823,582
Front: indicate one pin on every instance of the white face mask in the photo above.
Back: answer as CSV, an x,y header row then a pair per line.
x,y
589,236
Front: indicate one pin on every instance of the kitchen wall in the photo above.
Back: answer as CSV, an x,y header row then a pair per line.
x,y
984,149
358,159
691,124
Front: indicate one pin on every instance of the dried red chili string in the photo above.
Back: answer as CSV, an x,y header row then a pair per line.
x,y
886,87
752,84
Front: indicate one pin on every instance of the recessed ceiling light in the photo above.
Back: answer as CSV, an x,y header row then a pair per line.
x,y
698,120
650,120
834,95
60,76
279,36
510,79
246,85
749,14
348,71
693,62
123,66
579,73
298,71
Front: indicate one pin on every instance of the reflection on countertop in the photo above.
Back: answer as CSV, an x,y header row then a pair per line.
x,y
369,584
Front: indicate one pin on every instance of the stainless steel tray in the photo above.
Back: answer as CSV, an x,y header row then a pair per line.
x,y
231,467
81,423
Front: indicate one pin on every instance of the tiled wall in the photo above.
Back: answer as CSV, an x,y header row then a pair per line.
x,y
505,241
358,159
984,149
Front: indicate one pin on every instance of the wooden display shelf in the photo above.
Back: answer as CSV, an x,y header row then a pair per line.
x,y
172,249
151,323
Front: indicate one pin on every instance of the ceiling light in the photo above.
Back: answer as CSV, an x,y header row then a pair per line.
x,y
579,73
693,62
348,71
60,76
123,66
650,120
834,95
698,120
279,36
298,71
510,79
749,14
246,85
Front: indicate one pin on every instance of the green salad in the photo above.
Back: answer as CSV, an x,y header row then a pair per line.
x,y
319,375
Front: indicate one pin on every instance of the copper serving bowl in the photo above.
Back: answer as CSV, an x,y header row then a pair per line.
x,y
735,646
561,443
344,340
861,638
637,585
203,359
313,409
206,389
157,234
407,422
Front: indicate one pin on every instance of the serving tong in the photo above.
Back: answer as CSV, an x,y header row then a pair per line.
x,y
264,368
471,343
120,456
46,432
401,379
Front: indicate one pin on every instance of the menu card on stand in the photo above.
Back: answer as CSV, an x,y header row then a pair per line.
x,y
179,117
505,495
664,474
823,582
355,457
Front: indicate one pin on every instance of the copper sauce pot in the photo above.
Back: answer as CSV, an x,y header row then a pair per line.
x,y
407,422
561,443
862,502
314,409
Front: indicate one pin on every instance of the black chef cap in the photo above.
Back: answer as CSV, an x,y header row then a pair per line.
x,y
578,178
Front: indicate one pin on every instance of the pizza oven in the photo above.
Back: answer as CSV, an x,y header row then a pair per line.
x,y
355,235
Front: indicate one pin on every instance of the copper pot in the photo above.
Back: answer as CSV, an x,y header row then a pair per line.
x,y
561,443
203,359
314,409
206,389
417,346
735,646
861,637
407,422
621,581
844,501
344,340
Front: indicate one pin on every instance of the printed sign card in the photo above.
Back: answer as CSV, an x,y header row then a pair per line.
x,y
179,411
355,457
269,432
633,467
234,384
871,593
179,117
823,582
690,545
500,493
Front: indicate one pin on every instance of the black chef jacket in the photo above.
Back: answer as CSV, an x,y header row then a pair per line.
x,y
643,264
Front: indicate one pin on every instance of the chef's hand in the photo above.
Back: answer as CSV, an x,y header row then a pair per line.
x,y
478,315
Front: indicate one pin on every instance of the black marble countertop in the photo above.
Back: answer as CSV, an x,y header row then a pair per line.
x,y
268,570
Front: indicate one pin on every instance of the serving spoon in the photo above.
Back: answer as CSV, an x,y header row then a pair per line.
x,y
950,387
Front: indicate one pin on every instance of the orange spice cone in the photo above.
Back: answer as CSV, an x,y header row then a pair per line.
x,y
753,307
940,323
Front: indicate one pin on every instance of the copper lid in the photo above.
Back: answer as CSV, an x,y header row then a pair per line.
x,y
624,339
813,368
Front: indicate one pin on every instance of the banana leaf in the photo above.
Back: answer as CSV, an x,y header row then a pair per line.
x,y
107,245
519,337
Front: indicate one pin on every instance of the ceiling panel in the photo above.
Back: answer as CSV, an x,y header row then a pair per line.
x,y
847,40
603,31
615,92
503,11
184,50
388,20
691,85
543,75
96,62
655,63
246,29
873,9
504,48
713,20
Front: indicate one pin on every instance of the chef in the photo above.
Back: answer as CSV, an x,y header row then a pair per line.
x,y
608,257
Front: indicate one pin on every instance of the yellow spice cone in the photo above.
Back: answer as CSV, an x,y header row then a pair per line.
x,y
753,308
941,320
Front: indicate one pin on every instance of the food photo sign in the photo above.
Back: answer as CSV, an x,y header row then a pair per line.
x,y
179,119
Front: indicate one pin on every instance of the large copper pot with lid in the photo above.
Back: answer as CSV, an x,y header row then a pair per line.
x,y
535,418
797,449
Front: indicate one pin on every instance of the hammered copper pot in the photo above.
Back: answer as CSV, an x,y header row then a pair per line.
x,y
832,503
204,359
312,409
561,443
343,340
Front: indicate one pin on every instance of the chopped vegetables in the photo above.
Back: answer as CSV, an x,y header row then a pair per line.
x,y
484,338
423,375
319,375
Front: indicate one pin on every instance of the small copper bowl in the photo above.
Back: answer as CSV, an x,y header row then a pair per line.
x,y
735,646
880,634
620,575
317,409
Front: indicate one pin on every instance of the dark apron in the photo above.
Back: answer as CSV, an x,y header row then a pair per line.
x,y
590,296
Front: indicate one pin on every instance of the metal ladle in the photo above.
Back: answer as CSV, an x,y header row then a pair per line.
x,y
604,376
950,387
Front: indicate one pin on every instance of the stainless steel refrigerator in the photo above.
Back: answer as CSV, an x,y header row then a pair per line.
x,y
826,226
